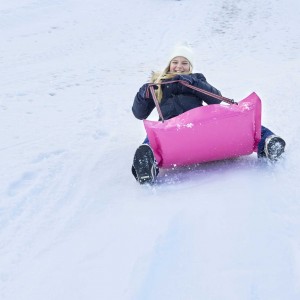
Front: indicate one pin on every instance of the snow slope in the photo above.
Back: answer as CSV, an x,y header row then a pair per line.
x,y
74,224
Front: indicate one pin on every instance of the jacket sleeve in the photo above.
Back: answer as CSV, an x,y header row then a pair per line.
x,y
200,82
142,106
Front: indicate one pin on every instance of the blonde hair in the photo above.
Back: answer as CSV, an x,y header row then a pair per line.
x,y
158,77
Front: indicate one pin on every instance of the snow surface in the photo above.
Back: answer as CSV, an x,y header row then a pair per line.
x,y
74,224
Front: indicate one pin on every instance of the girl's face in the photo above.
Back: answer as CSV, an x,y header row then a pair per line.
x,y
179,64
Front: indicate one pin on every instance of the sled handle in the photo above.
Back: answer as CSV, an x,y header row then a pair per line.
x,y
221,98
183,82
151,88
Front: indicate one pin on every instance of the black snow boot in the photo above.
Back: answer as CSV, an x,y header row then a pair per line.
x,y
274,147
144,167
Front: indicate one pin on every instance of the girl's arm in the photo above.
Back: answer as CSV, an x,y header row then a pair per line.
x,y
142,106
198,80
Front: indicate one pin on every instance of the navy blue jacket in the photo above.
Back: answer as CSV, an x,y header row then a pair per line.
x,y
176,99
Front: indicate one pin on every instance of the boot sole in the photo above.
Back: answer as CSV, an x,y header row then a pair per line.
x,y
275,148
143,163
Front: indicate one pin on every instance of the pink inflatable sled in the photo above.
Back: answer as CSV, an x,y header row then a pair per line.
x,y
207,133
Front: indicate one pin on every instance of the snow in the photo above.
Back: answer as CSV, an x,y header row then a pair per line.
x,y
74,224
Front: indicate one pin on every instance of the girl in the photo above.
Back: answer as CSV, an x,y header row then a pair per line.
x,y
175,99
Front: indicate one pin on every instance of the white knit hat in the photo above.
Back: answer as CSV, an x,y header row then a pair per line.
x,y
183,50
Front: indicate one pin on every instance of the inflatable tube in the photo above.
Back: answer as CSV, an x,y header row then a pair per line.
x,y
207,133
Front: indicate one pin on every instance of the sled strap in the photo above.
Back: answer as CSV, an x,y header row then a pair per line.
x,y
151,88
221,98
183,82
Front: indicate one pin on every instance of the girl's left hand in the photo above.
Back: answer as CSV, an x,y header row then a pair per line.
x,y
188,78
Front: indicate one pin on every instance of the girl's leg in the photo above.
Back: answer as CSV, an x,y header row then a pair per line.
x,y
265,132
270,145
146,141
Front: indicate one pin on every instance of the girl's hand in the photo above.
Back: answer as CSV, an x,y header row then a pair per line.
x,y
143,91
188,78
